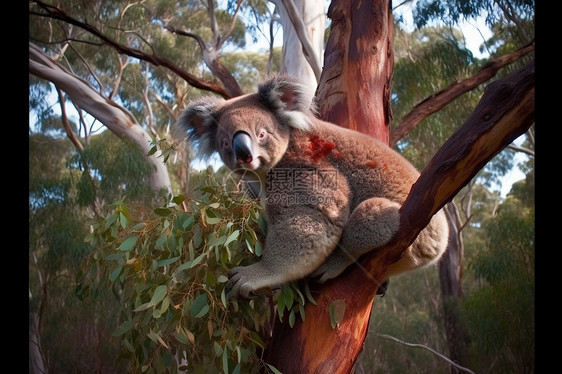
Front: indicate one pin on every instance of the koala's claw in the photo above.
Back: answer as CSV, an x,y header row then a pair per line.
x,y
383,288
238,284
327,271
323,274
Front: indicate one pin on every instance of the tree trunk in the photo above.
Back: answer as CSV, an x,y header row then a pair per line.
x,y
450,279
36,361
354,89
117,119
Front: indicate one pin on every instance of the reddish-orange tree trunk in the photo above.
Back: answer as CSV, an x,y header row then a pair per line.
x,y
354,89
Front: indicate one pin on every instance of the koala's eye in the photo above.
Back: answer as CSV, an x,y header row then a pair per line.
x,y
225,143
262,134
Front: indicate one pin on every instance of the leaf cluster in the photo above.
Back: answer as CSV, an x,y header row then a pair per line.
x,y
453,11
110,168
168,267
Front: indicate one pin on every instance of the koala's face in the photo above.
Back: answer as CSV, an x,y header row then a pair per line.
x,y
248,136
252,131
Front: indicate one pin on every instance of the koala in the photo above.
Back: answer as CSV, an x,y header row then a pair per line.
x,y
331,194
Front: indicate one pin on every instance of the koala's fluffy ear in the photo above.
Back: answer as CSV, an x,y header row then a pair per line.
x,y
198,124
289,99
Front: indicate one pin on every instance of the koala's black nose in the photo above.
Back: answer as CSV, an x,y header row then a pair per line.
x,y
242,145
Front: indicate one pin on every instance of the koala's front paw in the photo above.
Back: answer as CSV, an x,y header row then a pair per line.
x,y
239,282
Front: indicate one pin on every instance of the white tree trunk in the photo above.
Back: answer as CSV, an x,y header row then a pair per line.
x,y
117,119
36,363
312,16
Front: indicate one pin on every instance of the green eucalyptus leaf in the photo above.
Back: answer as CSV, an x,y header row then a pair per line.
x,y
337,312
158,294
273,369
124,328
162,211
115,273
167,261
178,199
197,260
292,318
232,237
200,307
129,243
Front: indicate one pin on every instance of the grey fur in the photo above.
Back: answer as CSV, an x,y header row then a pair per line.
x,y
332,194
202,111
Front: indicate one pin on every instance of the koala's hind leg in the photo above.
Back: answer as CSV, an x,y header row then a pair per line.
x,y
371,225
428,247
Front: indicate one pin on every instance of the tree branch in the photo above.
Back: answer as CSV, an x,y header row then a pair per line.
x,y
166,107
69,133
231,27
522,149
505,111
116,118
181,32
58,13
214,23
427,348
117,81
211,56
440,99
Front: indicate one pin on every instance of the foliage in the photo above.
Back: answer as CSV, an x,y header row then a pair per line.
x,y
64,189
438,56
111,167
250,67
506,298
72,333
453,11
168,267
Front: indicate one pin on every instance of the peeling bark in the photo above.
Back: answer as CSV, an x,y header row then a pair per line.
x,y
354,89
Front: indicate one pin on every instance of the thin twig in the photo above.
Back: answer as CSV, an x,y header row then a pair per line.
x,y
425,347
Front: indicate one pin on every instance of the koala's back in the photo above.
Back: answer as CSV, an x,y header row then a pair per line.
x,y
370,167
